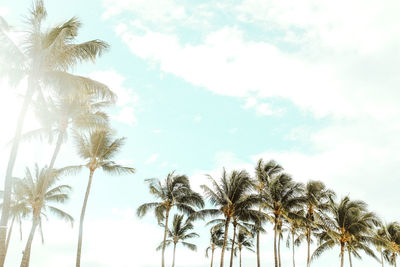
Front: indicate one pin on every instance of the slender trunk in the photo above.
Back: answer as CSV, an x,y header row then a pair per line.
x,y
57,148
79,250
173,257
279,248
275,234
351,264
165,238
27,252
258,242
10,166
394,260
212,257
9,234
233,242
308,245
294,263
240,258
341,254
228,220
383,265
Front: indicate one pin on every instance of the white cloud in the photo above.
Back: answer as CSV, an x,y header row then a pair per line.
x,y
156,131
198,118
127,101
4,11
152,158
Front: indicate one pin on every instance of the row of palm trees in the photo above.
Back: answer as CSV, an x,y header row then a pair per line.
x,y
64,104
306,213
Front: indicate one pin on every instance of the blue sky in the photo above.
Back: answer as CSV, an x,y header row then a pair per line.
x,y
205,84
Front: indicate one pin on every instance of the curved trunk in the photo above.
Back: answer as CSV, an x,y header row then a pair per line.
x,y
212,257
279,248
10,166
57,148
9,234
275,234
165,237
351,264
173,257
294,263
27,252
308,245
79,250
228,220
233,242
341,254
258,243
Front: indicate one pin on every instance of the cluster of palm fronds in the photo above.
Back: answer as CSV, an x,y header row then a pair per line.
x,y
64,103
306,213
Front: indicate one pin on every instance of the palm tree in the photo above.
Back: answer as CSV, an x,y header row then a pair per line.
x,y
281,197
264,173
43,58
40,190
296,226
350,221
175,191
317,198
244,240
232,199
179,234
216,240
389,235
97,148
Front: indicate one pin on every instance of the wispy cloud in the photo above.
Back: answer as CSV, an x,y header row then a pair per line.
x,y
152,158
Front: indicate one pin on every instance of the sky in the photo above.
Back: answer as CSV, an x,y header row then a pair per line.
x,y
204,85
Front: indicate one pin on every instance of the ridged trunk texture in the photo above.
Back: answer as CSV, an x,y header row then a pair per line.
x,y
233,242
341,254
79,249
5,212
225,239
279,249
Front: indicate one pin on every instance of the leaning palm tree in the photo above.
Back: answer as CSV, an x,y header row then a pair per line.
x,y
216,241
44,59
40,190
317,198
264,173
244,240
281,197
231,197
389,235
350,221
175,191
178,234
98,148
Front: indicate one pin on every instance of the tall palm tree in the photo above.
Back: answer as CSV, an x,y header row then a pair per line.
x,y
350,221
317,198
389,234
264,173
244,240
175,191
98,148
281,197
178,234
41,190
296,226
231,198
216,241
44,58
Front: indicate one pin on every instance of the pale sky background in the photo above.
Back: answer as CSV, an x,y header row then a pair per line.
x,y
312,84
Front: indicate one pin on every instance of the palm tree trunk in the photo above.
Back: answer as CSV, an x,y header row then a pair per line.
x,y
27,252
294,263
233,242
351,264
279,249
341,254
165,237
275,234
258,242
79,250
394,260
57,148
383,265
225,239
240,258
212,256
173,257
10,166
9,234
308,245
